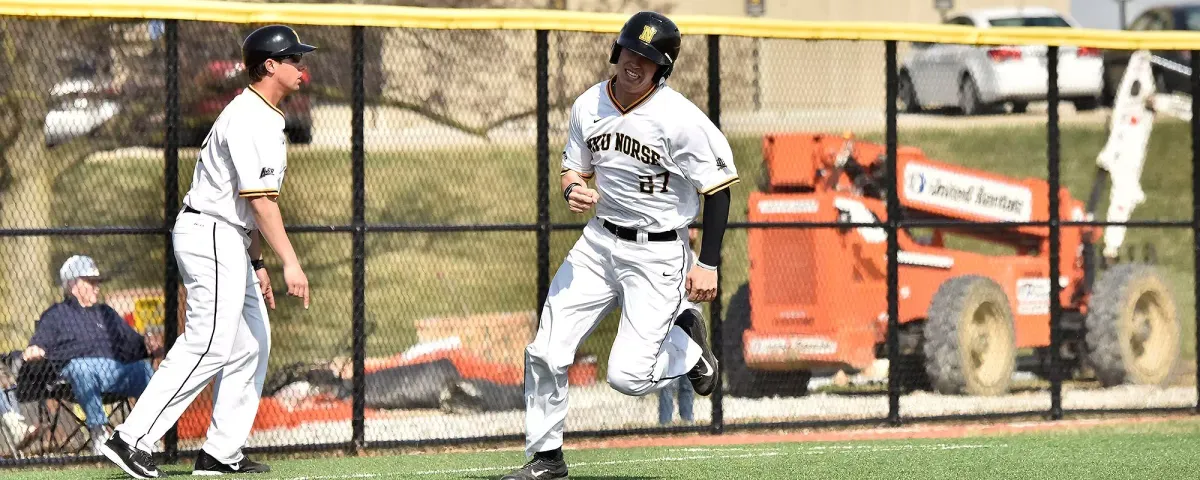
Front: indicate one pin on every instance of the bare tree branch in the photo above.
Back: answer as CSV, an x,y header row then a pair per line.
x,y
520,115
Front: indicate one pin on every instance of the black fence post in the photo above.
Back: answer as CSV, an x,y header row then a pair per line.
x,y
714,312
1195,123
357,155
543,168
170,212
893,246
1052,158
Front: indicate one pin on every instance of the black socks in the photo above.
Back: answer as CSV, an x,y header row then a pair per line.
x,y
555,455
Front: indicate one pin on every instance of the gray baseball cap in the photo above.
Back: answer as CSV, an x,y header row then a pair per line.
x,y
79,266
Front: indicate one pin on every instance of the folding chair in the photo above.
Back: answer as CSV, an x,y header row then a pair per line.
x,y
61,420
10,364
10,444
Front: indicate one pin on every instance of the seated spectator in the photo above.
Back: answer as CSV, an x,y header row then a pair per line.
x,y
91,345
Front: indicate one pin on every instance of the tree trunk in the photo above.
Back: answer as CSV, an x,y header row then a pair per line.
x,y
28,283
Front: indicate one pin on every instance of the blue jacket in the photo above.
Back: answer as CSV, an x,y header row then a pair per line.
x,y
67,330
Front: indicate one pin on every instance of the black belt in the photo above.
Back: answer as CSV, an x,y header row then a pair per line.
x,y
631,234
189,209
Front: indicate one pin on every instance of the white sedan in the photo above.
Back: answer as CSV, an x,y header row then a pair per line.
x,y
977,78
77,107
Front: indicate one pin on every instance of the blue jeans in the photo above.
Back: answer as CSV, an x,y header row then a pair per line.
x,y
666,400
92,377
8,401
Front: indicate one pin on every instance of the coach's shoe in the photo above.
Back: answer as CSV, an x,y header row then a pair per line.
x,y
543,466
207,465
98,436
137,463
704,375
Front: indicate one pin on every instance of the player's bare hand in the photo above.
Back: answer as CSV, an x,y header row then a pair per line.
x,y
701,284
296,282
264,284
582,198
33,352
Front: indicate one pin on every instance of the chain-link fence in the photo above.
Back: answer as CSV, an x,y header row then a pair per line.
x,y
864,277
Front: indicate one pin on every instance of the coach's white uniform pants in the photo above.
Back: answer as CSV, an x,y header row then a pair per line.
x,y
647,280
226,337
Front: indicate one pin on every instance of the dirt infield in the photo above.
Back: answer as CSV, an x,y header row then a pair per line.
x,y
917,431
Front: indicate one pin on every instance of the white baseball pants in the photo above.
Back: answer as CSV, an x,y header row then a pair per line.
x,y
647,278
227,337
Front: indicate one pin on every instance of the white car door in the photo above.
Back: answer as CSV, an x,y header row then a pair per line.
x,y
946,64
920,70
950,67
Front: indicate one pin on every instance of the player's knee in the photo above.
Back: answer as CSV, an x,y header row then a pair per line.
x,y
540,356
629,384
541,351
628,378
534,351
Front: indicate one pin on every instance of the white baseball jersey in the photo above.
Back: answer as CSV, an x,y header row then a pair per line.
x,y
227,336
244,156
652,159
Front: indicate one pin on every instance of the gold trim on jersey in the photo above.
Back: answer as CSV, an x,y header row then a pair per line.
x,y
729,181
264,99
259,192
612,97
581,174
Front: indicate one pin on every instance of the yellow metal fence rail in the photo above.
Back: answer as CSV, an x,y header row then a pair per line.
x,y
524,19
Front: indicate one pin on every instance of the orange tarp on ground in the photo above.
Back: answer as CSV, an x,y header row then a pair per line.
x,y
274,414
475,368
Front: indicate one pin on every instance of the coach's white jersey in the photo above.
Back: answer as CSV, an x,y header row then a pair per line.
x,y
652,159
244,156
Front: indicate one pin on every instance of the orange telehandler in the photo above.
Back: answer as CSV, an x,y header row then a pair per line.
x,y
816,300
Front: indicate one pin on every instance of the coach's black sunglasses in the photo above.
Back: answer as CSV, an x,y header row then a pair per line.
x,y
293,59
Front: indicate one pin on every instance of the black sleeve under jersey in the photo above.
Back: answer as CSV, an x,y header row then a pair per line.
x,y
716,217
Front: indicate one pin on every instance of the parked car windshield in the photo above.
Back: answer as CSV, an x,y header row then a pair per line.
x,y
1054,21
1191,18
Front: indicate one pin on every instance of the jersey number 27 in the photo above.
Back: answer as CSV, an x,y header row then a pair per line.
x,y
647,182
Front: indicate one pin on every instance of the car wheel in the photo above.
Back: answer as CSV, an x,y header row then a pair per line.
x,y
300,134
1086,104
906,95
968,96
1020,107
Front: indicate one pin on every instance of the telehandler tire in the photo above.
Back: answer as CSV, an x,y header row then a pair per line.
x,y
970,344
1133,333
740,380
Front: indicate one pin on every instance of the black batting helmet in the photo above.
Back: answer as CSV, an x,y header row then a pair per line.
x,y
651,35
271,41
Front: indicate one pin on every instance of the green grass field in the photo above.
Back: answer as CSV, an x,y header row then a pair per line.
x,y
1160,450
415,275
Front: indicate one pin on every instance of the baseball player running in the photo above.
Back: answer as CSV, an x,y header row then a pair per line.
x,y
652,154
217,243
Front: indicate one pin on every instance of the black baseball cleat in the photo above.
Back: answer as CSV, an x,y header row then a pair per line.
x,y
543,466
136,463
704,375
207,465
